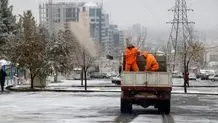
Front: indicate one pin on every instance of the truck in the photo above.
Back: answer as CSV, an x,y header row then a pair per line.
x,y
146,88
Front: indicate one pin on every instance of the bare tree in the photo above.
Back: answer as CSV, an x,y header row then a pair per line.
x,y
192,52
79,54
85,61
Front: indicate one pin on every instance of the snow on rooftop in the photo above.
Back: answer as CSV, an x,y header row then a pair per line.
x,y
91,4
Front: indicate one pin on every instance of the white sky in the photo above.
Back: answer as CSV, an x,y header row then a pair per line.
x,y
152,13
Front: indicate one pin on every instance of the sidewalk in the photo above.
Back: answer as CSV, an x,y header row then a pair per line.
x,y
102,85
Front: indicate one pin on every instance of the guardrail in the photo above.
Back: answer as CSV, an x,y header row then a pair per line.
x,y
14,81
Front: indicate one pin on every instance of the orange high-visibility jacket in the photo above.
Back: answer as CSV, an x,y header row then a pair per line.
x,y
151,62
130,55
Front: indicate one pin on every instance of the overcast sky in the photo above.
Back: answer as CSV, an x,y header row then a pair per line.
x,y
152,13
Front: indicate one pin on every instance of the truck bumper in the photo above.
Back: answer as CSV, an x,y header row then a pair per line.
x,y
146,93
145,88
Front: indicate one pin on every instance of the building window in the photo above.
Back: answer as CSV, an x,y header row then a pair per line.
x,y
57,21
59,12
77,14
74,13
98,12
84,9
69,12
69,19
92,12
92,20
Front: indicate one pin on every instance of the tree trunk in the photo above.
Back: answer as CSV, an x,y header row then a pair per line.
x,y
32,80
185,85
174,59
84,68
185,77
187,71
56,77
85,72
24,73
82,71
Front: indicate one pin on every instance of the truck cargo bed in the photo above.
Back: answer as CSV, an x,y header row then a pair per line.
x,y
146,79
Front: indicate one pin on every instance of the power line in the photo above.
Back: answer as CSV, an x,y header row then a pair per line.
x,y
180,31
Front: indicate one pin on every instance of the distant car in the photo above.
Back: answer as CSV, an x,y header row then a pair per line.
x,y
204,76
214,78
116,80
176,74
98,75
192,76
78,77
111,74
198,75
211,77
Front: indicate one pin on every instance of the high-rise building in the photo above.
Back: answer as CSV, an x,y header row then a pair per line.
x,y
99,22
115,44
138,34
54,15
121,41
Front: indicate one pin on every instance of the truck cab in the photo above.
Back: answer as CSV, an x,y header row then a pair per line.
x,y
146,88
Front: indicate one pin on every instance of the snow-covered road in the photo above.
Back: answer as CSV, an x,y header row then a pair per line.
x,y
52,107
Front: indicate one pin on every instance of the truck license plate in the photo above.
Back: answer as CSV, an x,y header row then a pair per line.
x,y
148,95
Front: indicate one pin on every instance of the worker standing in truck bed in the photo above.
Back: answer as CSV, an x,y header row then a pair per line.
x,y
151,62
130,55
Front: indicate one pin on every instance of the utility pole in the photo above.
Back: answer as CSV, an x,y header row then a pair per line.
x,y
51,26
100,33
100,22
180,31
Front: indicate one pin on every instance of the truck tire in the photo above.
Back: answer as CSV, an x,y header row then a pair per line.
x,y
125,106
164,107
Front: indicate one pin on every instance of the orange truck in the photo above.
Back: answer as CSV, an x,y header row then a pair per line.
x,y
146,88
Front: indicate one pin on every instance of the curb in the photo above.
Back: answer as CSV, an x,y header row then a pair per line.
x,y
53,90
85,91
119,86
196,86
194,93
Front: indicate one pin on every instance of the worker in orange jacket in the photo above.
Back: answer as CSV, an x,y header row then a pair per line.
x,y
130,58
151,62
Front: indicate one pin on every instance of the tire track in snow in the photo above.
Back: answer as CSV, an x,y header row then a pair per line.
x,y
168,118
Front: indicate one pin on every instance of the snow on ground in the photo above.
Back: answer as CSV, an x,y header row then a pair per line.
x,y
99,85
53,107
198,82
107,82
68,85
93,82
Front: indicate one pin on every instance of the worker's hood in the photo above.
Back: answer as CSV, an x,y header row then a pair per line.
x,y
130,46
145,54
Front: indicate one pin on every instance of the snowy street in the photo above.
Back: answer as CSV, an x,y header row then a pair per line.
x,y
81,107
52,107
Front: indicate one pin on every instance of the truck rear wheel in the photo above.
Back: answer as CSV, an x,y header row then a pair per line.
x,y
125,106
164,107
